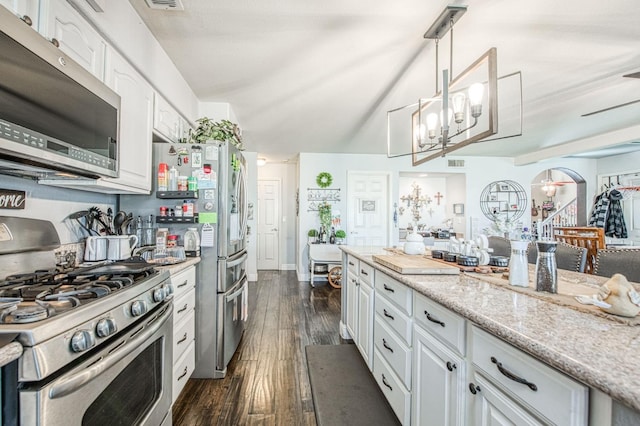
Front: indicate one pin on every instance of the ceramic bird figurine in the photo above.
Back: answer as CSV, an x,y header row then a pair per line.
x,y
621,296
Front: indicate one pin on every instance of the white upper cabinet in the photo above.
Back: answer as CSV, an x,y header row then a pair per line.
x,y
136,115
166,120
27,10
61,24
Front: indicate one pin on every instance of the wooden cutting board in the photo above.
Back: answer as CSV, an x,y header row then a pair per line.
x,y
416,265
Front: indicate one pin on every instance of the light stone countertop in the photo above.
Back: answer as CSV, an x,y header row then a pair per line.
x,y
597,351
9,350
175,268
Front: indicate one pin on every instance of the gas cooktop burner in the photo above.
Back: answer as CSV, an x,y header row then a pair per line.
x,y
38,295
23,312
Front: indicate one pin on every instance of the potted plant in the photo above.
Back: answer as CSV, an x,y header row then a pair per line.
x,y
312,234
340,235
324,211
223,130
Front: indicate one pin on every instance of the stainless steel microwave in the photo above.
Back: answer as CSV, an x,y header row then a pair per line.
x,y
53,113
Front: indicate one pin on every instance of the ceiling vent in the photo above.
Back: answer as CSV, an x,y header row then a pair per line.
x,y
456,163
172,5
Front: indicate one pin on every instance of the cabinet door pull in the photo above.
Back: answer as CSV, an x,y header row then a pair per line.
x,y
182,340
432,319
388,288
473,388
55,42
184,373
362,271
512,376
451,366
352,264
384,343
184,308
183,284
386,314
384,381
27,20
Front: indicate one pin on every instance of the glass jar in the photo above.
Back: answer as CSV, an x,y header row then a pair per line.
x,y
546,268
191,240
518,264
182,183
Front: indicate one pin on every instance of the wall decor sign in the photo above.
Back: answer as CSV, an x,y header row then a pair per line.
x,y
12,200
367,206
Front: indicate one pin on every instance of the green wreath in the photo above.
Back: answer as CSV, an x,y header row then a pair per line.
x,y
324,179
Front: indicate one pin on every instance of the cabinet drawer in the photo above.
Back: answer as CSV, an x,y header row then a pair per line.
x,y
398,293
399,398
183,281
441,322
353,265
183,334
184,305
183,369
365,272
393,350
390,314
555,396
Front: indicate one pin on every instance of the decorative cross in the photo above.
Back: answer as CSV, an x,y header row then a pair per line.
x,y
438,196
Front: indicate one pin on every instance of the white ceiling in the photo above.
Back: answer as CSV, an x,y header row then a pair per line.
x,y
320,75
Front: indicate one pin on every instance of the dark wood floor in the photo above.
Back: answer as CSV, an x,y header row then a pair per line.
x,y
267,381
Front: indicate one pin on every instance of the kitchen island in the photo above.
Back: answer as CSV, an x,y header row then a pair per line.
x,y
597,351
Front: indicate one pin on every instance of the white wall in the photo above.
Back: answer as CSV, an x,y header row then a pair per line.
x,y
619,164
432,214
287,173
479,172
252,197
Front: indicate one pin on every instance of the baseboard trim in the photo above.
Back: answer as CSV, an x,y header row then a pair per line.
x,y
288,267
252,277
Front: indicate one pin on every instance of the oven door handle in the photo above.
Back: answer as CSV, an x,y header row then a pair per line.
x,y
67,385
236,293
237,261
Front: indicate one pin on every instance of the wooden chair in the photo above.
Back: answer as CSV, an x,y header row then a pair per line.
x,y
568,257
590,238
618,261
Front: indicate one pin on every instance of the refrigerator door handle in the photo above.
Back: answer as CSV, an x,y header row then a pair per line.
x,y
242,189
239,260
236,293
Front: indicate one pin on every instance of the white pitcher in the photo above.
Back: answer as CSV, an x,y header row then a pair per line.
x,y
121,246
95,248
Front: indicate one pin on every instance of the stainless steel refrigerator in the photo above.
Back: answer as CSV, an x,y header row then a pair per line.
x,y
220,207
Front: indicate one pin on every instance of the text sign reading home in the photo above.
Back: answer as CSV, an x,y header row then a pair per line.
x,y
13,200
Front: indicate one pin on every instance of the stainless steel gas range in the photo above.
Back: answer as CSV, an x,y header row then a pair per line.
x,y
97,340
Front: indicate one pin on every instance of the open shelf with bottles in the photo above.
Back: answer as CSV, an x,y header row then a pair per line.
x,y
177,219
174,195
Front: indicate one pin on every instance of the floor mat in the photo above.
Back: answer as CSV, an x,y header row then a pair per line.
x,y
344,390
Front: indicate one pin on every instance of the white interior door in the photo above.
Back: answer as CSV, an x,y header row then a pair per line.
x,y
368,208
268,224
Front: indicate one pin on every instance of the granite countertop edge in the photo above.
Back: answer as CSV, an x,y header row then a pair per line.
x,y
175,268
10,352
593,350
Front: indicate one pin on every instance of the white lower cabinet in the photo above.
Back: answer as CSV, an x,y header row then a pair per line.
x,y
439,384
359,298
531,385
183,369
398,396
494,407
184,298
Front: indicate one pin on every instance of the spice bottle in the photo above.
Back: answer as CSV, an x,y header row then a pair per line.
x,y
172,241
161,238
163,177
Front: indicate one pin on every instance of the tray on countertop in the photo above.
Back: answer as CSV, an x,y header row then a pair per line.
x,y
415,264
